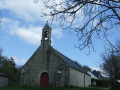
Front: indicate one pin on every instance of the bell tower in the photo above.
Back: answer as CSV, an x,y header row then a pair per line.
x,y
46,36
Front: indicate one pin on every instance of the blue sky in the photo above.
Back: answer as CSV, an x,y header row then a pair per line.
x,y
20,34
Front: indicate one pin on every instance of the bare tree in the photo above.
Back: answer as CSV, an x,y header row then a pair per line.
x,y
86,68
86,17
0,20
114,48
1,53
111,63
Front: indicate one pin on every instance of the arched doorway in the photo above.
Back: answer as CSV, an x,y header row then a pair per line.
x,y
44,80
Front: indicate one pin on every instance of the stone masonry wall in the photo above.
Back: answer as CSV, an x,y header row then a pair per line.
x,y
32,69
77,78
87,80
42,62
3,81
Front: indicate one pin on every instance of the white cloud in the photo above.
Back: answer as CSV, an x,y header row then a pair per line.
x,y
19,62
33,34
24,9
96,68
27,9
58,33
30,34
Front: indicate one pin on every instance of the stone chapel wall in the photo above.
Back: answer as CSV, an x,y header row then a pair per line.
x,y
77,78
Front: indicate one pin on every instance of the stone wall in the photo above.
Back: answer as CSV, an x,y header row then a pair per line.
x,y
87,80
32,69
77,78
3,81
45,61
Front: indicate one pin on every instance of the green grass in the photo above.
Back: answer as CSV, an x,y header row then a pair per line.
x,y
16,87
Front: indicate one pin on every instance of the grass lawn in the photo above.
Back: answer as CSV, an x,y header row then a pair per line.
x,y
16,87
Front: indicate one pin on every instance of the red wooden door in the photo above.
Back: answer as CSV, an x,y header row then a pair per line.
x,y
44,80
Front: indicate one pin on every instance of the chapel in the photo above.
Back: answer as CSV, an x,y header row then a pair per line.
x,y
47,67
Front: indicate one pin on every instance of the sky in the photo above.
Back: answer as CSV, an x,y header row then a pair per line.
x,y
20,34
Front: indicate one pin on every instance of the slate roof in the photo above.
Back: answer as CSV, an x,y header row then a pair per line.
x,y
97,74
3,74
72,63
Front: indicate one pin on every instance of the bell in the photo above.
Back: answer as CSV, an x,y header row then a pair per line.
x,y
46,34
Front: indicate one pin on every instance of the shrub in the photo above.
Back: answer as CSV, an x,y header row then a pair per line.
x,y
117,88
102,83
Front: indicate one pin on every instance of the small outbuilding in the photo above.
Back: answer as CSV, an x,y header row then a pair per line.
x,y
3,79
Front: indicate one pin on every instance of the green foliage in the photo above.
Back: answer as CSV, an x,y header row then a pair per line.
x,y
117,88
17,74
93,80
8,66
101,83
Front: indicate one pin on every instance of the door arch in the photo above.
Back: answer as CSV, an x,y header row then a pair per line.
x,y
44,80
